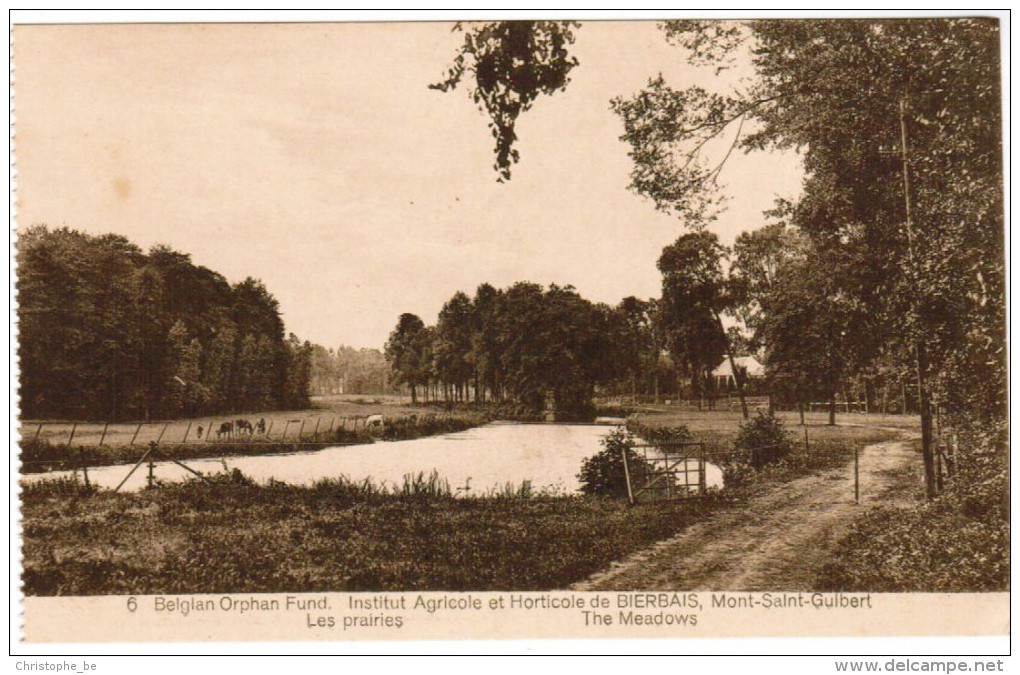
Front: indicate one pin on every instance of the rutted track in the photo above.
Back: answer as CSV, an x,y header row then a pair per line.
x,y
777,541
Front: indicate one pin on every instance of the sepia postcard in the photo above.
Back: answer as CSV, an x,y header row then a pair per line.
x,y
509,329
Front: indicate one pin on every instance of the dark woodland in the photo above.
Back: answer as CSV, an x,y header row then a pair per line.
x,y
108,332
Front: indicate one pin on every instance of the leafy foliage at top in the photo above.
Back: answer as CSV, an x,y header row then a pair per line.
x,y
512,63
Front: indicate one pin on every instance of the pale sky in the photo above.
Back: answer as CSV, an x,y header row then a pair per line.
x,y
315,158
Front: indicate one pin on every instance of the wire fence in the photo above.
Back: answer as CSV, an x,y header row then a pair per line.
x,y
206,431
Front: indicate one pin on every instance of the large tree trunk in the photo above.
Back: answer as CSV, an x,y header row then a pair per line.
x,y
737,377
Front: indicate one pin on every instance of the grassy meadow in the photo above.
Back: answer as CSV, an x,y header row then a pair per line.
x,y
333,536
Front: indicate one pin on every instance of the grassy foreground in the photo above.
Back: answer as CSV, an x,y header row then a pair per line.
x,y
333,536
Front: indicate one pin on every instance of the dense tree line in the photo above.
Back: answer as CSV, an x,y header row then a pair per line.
x,y
108,332
526,344
535,346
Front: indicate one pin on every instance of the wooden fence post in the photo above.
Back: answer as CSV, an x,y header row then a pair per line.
x,y
285,428
807,447
103,437
38,431
136,433
144,456
857,474
269,430
186,432
626,475
162,432
84,467
74,427
301,430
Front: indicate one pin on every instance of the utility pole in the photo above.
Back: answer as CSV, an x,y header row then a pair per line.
x,y
920,354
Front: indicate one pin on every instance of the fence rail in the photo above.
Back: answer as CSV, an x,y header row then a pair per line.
x,y
194,432
665,471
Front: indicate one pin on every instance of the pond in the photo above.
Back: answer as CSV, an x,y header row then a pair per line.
x,y
484,459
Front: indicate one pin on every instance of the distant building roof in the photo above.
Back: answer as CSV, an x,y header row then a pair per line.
x,y
748,363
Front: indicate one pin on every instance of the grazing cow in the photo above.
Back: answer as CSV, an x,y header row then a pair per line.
x,y
373,421
226,429
243,425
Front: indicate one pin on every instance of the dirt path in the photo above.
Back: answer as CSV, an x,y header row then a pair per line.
x,y
777,541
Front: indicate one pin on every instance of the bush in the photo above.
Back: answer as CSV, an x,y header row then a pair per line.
x,y
738,475
515,412
603,474
761,440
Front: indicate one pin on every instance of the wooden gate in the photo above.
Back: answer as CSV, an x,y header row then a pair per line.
x,y
666,471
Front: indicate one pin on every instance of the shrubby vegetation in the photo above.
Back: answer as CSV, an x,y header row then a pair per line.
x,y
110,333
603,474
660,434
763,439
